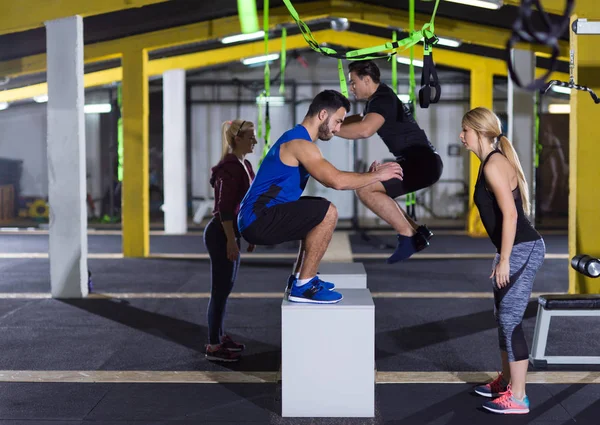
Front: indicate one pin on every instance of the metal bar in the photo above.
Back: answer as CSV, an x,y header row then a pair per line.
x,y
582,26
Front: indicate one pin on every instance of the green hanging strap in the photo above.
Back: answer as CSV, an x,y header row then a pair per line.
x,y
267,131
431,90
395,67
343,84
411,197
283,60
367,53
120,133
248,16
411,69
259,130
267,90
538,145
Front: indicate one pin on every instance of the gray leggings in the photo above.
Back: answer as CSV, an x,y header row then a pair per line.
x,y
511,301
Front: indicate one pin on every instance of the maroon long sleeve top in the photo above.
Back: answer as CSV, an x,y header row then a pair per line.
x,y
231,182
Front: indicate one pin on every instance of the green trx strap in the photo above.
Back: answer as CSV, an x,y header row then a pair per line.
x,y
248,16
282,59
430,87
411,69
360,54
411,198
259,130
120,134
538,145
343,84
395,68
267,90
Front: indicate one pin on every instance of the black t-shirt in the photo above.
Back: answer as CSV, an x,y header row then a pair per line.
x,y
491,214
399,130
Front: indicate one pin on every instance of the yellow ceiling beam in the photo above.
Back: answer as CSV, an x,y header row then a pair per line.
x,y
444,57
238,52
218,28
470,33
441,56
226,54
170,37
551,6
23,15
159,66
92,79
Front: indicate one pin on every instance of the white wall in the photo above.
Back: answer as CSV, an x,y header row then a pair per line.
x,y
23,136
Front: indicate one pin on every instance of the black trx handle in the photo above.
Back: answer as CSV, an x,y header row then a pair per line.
x,y
522,30
571,85
431,90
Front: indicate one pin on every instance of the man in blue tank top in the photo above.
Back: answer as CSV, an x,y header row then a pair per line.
x,y
273,210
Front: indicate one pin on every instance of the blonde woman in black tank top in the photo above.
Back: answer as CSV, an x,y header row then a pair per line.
x,y
502,198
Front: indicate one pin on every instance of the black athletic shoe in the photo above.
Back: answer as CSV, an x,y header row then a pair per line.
x,y
420,242
425,232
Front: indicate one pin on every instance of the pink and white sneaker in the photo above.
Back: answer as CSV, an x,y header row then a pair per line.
x,y
508,404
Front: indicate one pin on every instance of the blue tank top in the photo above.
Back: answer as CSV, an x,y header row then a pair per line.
x,y
275,182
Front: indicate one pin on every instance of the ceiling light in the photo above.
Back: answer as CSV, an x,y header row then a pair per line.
x,y
260,59
560,89
559,108
273,100
406,61
339,24
242,37
97,108
41,98
486,4
448,42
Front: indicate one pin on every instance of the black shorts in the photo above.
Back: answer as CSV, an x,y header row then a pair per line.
x,y
286,222
421,166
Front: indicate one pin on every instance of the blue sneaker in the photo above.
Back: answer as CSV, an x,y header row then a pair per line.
x,y
313,292
327,285
404,249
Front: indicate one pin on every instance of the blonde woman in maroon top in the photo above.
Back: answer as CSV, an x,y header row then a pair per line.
x,y
231,178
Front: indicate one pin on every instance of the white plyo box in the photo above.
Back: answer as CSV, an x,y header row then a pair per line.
x,y
344,275
328,357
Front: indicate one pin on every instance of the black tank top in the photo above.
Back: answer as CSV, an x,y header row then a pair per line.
x,y
491,215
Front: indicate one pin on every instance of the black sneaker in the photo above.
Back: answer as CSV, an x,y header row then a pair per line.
x,y
420,242
423,230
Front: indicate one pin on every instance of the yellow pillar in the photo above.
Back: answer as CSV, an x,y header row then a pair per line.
x,y
482,85
584,151
135,194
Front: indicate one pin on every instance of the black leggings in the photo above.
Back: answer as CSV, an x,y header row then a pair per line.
x,y
223,274
422,167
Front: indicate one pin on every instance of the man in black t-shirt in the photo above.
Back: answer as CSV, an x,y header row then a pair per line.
x,y
387,116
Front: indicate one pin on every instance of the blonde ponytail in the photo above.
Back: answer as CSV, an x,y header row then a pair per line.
x,y
230,129
225,144
510,153
487,125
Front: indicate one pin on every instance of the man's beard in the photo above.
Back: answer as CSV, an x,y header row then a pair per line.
x,y
324,133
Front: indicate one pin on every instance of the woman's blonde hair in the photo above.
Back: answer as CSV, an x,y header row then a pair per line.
x,y
229,130
487,125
